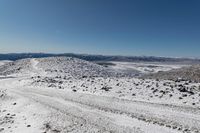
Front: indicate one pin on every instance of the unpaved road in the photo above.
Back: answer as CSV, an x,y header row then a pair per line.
x,y
67,111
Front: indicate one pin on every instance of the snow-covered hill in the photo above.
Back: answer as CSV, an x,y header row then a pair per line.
x,y
60,66
74,67
17,67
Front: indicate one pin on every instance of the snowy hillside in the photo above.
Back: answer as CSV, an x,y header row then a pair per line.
x,y
74,67
3,62
61,66
17,67
191,73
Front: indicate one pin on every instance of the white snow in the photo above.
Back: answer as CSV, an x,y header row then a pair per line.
x,y
3,62
143,67
71,95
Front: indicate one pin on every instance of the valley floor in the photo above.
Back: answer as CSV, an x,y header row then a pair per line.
x,y
26,109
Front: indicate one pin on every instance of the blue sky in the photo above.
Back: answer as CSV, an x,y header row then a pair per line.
x,y
111,27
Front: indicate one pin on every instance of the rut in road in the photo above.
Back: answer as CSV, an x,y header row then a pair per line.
x,y
82,119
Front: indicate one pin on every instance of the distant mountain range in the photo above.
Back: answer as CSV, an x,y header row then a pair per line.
x,y
16,56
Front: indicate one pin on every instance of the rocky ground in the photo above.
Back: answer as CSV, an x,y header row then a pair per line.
x,y
159,91
191,73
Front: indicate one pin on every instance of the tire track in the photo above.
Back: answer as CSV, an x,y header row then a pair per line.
x,y
92,121
141,116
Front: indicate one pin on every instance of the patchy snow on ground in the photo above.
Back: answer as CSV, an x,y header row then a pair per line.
x,y
3,62
143,67
69,95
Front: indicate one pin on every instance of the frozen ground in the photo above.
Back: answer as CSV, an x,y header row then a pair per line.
x,y
55,99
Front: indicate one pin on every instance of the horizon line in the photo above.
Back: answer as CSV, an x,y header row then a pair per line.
x,y
60,53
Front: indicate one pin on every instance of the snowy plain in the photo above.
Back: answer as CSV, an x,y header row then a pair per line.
x,y
145,67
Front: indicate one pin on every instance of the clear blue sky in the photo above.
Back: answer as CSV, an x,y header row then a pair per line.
x,y
118,27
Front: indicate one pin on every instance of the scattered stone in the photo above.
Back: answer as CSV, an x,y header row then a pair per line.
x,y
28,125
106,88
180,98
1,129
74,90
